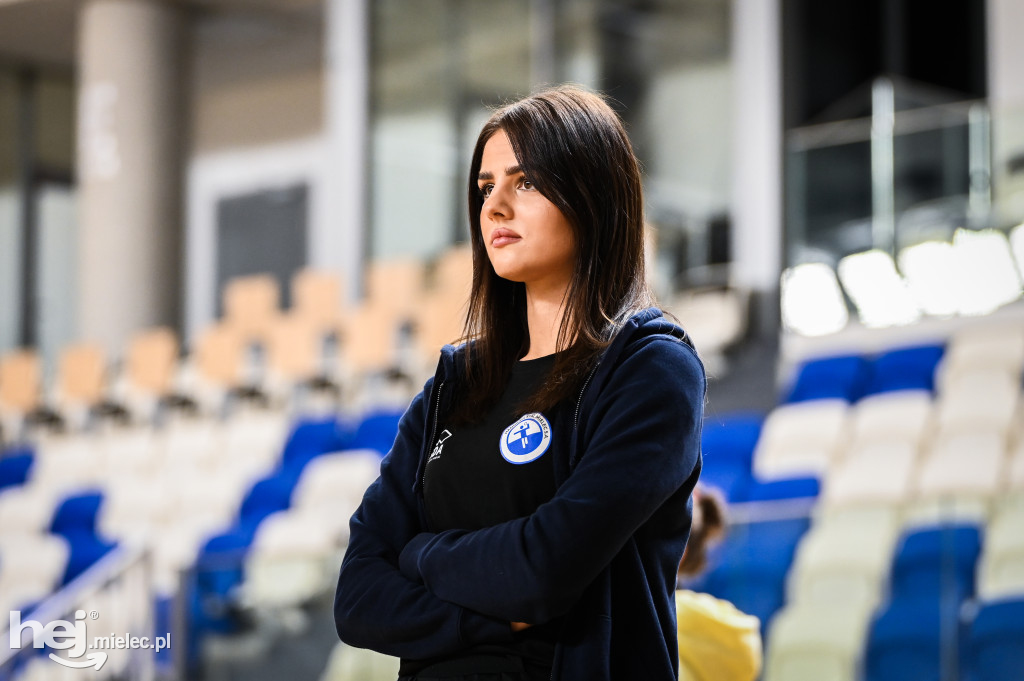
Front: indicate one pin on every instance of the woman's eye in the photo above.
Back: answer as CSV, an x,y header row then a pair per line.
x,y
486,190
526,184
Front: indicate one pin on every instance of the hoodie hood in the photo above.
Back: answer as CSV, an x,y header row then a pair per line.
x,y
647,322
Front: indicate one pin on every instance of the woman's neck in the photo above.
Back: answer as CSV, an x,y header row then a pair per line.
x,y
544,311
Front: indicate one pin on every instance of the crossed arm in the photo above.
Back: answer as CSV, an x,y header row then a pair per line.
x,y
415,594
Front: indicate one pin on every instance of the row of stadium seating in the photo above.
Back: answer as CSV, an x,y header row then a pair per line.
x,y
912,560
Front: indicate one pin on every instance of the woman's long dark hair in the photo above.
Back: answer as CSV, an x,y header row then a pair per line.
x,y
574,149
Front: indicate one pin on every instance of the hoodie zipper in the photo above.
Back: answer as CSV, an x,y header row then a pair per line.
x,y
433,429
579,400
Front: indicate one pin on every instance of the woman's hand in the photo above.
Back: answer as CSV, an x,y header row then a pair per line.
x,y
519,626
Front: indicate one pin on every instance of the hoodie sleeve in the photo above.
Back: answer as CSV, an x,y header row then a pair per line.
x,y
642,446
375,606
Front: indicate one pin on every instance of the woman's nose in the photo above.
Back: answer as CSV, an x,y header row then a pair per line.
x,y
498,204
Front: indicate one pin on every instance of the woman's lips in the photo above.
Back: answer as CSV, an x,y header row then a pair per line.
x,y
503,237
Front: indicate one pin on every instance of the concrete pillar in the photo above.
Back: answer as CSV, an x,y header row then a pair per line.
x,y
347,123
1005,19
129,99
757,162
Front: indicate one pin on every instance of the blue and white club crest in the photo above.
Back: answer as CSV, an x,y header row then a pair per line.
x,y
526,440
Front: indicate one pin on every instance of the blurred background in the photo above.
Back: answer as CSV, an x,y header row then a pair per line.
x,y
233,238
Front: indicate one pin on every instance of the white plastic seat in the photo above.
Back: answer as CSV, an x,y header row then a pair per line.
x,y
37,560
880,473
210,500
969,465
348,663
1001,568
258,434
290,561
801,439
28,509
130,512
844,557
134,451
811,642
898,416
343,475
977,400
1015,471
197,441
991,346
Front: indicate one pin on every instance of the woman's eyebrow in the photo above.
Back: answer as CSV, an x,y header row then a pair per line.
x,y
511,170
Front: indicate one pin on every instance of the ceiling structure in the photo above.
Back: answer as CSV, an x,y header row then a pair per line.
x,y
41,33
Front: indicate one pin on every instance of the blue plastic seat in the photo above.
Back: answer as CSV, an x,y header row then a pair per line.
x,y
787,488
77,514
377,431
731,437
996,642
937,563
905,369
844,377
914,638
727,444
269,495
749,567
310,439
85,548
15,468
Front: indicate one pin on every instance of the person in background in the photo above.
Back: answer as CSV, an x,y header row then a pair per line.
x,y
717,642
529,519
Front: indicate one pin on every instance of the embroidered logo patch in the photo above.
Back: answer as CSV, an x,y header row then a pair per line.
x,y
526,440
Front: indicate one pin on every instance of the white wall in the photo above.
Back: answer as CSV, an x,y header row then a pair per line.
x,y
221,175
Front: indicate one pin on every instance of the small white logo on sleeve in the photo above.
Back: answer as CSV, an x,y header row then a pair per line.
x,y
526,440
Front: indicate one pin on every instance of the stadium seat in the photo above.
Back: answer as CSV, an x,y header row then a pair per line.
x,y
969,465
978,401
32,561
77,513
801,439
913,639
996,647
749,568
890,417
845,556
788,488
904,369
15,467
294,557
310,439
937,563
1001,571
27,509
878,473
984,347
251,305
816,641
317,297
348,663
843,377
85,549
727,443
377,431
337,479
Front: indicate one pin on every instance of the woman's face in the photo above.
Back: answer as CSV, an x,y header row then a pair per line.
x,y
527,237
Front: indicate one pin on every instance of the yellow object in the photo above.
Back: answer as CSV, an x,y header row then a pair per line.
x,y
717,642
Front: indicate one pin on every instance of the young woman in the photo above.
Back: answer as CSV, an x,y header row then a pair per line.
x,y
530,518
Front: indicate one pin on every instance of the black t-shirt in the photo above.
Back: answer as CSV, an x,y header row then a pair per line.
x,y
498,469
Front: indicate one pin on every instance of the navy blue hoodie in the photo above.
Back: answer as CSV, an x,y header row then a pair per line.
x,y
603,552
